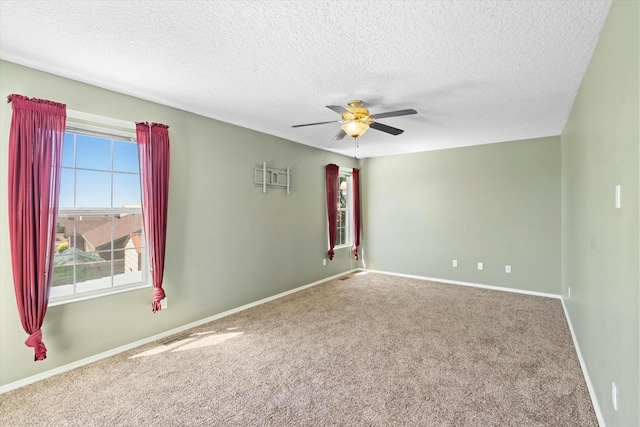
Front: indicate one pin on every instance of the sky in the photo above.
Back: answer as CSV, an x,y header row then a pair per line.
x,y
98,172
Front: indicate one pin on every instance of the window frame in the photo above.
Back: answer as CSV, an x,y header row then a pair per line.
x,y
92,125
346,173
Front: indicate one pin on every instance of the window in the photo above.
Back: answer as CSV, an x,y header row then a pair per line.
x,y
343,236
99,241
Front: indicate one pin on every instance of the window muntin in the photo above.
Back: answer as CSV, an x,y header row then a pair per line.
x,y
343,235
99,241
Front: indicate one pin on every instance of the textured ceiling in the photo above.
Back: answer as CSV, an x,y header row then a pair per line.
x,y
477,72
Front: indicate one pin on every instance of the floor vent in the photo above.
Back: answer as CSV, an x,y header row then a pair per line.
x,y
174,339
346,277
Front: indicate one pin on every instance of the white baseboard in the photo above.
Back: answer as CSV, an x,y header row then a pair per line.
x,y
585,372
43,375
474,285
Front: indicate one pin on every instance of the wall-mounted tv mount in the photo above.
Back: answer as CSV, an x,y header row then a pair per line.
x,y
267,177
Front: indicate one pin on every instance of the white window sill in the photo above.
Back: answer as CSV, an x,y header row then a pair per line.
x,y
349,246
66,299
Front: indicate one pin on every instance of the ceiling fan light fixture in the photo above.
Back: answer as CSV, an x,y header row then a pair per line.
x,y
355,129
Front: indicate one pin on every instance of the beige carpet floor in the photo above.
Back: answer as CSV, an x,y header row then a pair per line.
x,y
371,350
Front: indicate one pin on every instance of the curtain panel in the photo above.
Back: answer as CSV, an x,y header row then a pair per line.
x,y
36,139
355,180
332,172
153,155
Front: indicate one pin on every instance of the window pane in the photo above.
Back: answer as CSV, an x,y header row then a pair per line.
x,y
62,281
64,254
63,274
67,150
93,153
125,157
128,266
64,232
92,273
133,253
64,251
66,188
342,192
93,189
342,237
92,234
125,228
126,190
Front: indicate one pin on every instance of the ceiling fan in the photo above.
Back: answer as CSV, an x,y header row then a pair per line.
x,y
356,120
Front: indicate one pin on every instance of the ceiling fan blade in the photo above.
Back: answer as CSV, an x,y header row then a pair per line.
x,y
339,135
394,113
338,109
313,124
385,128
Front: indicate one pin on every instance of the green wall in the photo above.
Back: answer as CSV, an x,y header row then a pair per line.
x,y
600,244
498,204
227,243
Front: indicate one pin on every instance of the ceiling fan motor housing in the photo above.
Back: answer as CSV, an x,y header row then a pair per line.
x,y
356,112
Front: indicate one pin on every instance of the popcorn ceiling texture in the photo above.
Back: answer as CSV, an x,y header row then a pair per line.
x,y
476,71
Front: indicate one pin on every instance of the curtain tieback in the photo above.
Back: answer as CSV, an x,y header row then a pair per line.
x,y
158,295
35,341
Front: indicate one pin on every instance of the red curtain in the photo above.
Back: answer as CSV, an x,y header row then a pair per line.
x,y
153,154
355,179
332,205
36,139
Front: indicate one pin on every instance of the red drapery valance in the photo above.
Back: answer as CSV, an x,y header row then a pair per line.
x,y
332,172
153,154
36,140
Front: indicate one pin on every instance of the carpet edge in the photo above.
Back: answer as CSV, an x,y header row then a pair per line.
x,y
470,284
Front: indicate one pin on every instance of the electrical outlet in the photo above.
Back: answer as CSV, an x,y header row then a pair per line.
x,y
507,269
164,304
324,261
569,292
614,396
618,195
454,263
480,266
